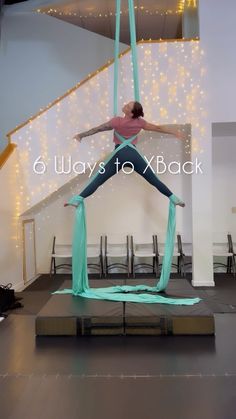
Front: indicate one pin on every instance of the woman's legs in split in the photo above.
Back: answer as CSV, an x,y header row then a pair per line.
x,y
128,154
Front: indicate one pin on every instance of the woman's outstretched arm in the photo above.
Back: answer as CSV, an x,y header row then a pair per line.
x,y
161,128
104,127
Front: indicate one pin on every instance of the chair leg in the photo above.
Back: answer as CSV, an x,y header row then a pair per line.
x,y
183,267
54,266
233,265
157,266
178,264
228,265
105,267
100,267
51,266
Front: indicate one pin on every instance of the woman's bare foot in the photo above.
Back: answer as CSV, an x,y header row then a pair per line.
x,y
180,203
72,205
177,201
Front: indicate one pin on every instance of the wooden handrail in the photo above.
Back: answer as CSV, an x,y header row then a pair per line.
x,y
5,154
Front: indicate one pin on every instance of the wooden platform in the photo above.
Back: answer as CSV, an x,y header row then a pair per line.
x,y
75,316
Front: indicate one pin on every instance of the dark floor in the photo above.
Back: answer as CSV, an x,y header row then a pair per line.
x,y
181,377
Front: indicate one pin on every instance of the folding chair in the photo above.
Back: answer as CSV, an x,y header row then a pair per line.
x,y
143,250
160,254
60,251
225,250
185,251
116,251
94,251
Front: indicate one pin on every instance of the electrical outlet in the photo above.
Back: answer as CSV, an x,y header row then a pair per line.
x,y
234,210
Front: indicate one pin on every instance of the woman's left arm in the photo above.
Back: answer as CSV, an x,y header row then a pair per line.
x,y
104,127
162,129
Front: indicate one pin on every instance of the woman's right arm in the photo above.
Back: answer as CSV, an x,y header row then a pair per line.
x,y
104,127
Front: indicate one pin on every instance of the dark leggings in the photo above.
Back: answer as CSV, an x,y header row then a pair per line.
x,y
126,154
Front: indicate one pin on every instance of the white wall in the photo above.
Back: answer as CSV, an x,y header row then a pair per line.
x,y
224,178
218,39
42,57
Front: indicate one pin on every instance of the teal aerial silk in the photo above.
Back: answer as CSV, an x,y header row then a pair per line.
x,y
128,293
133,49
116,58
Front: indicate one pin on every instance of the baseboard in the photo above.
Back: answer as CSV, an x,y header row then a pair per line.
x,y
203,283
18,286
21,286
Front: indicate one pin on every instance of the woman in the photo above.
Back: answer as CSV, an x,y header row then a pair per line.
x,y
128,126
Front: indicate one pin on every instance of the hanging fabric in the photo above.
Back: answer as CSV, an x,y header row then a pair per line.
x,y
80,284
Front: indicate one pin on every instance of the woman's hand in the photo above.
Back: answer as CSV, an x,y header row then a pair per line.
x,y
180,135
77,137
